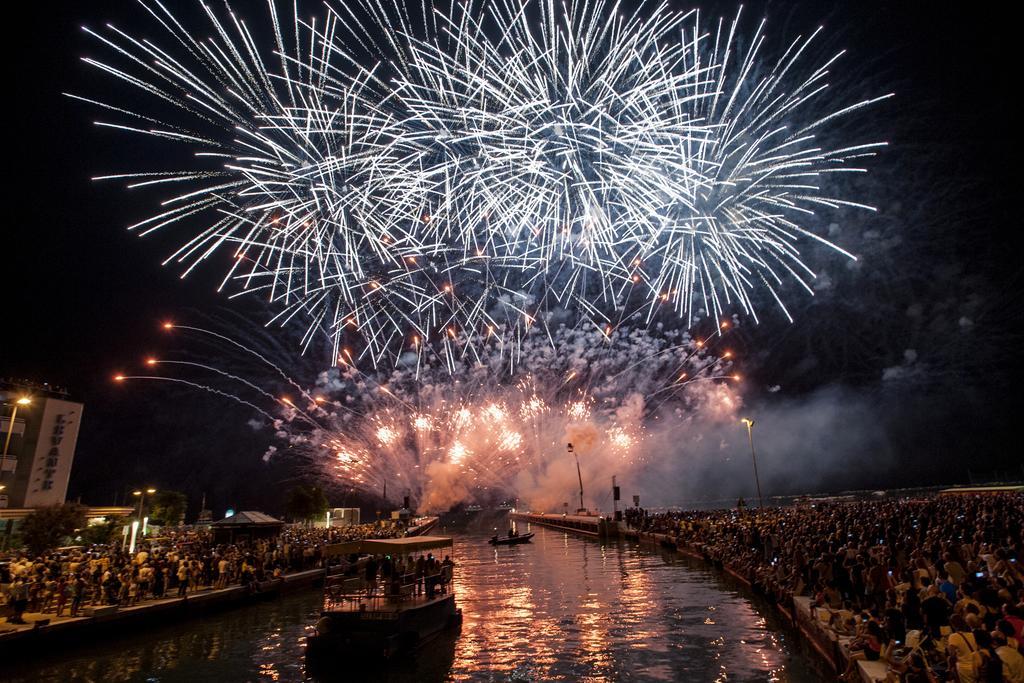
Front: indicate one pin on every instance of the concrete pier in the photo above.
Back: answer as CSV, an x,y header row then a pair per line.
x,y
587,525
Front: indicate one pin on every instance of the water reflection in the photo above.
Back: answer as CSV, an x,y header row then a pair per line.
x,y
559,609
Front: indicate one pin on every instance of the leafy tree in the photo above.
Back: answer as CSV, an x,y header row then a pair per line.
x,y
46,527
104,532
305,503
168,507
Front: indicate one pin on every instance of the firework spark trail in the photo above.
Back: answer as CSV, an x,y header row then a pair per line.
x,y
197,385
432,175
475,431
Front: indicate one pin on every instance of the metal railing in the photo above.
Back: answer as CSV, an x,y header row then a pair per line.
x,y
355,594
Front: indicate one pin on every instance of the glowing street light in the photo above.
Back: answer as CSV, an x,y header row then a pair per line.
x,y
750,435
23,401
141,495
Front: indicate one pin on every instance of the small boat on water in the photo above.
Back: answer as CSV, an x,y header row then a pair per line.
x,y
510,540
367,622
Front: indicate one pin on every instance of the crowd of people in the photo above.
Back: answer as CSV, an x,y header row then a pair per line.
x,y
933,586
64,581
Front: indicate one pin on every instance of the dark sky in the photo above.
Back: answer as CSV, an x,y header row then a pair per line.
x,y
83,298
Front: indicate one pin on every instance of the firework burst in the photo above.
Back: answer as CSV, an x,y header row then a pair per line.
x,y
426,175
476,432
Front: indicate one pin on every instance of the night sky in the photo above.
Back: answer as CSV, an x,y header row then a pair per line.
x,y
84,299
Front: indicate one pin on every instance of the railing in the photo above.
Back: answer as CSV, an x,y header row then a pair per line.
x,y
355,594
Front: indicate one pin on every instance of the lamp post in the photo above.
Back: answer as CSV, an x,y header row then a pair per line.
x,y
142,496
578,474
23,401
750,435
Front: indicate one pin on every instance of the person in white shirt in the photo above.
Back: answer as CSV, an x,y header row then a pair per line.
x,y
962,645
1013,661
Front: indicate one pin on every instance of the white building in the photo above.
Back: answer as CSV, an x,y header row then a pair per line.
x,y
39,430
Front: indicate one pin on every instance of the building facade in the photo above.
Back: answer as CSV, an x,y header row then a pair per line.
x,y
39,430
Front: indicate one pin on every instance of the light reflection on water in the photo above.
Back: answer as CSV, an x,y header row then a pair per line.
x,y
559,609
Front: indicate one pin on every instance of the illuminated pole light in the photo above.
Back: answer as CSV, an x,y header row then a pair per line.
x,y
135,530
141,495
23,401
750,435
579,474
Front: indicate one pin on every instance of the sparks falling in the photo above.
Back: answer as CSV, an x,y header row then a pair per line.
x,y
440,174
477,432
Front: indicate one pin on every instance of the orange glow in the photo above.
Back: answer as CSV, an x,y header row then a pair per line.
x,y
736,377
168,325
285,399
727,354
118,378
151,361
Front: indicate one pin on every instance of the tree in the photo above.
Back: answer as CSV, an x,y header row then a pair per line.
x,y
46,527
304,503
168,507
104,532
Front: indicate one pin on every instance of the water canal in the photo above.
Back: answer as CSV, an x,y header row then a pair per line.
x,y
560,609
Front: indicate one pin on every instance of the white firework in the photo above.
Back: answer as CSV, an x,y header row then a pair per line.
x,y
760,178
426,176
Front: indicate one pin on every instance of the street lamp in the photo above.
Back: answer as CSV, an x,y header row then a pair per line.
x,y
142,496
23,401
750,435
578,474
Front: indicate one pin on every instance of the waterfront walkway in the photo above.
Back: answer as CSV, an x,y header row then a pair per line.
x,y
43,627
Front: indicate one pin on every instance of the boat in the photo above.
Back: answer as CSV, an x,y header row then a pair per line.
x,y
510,540
367,623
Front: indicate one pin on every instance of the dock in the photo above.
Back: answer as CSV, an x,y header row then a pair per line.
x,y
44,631
586,525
